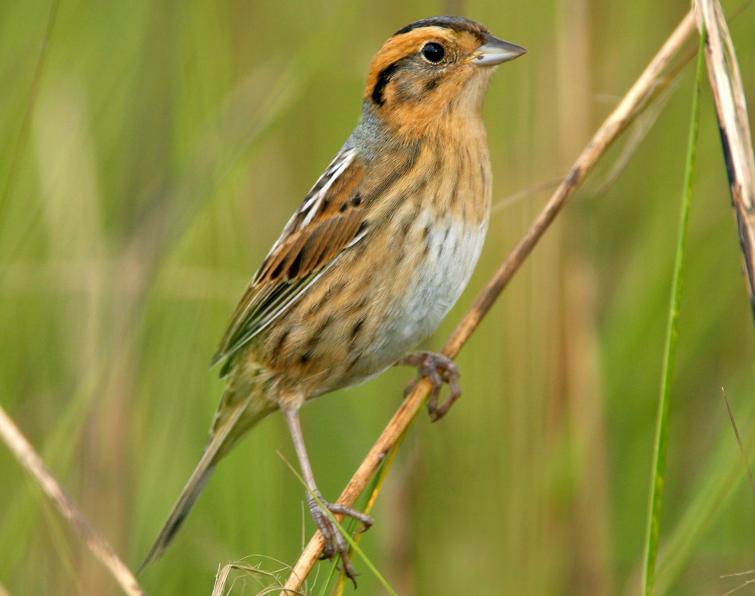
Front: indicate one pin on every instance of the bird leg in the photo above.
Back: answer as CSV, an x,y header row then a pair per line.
x,y
438,369
335,543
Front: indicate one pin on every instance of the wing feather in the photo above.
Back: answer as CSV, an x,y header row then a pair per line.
x,y
329,221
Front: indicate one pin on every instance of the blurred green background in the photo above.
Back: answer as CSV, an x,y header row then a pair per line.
x,y
150,153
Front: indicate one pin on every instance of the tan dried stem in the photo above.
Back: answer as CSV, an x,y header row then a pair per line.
x,y
631,105
33,464
731,108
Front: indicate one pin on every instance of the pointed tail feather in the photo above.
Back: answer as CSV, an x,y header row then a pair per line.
x,y
214,450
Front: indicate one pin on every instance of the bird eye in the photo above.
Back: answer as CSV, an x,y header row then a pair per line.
x,y
433,52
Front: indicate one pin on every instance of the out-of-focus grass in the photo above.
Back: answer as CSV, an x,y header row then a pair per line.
x,y
166,147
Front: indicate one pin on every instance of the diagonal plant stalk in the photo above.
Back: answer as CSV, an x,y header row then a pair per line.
x,y
669,355
733,125
99,547
628,109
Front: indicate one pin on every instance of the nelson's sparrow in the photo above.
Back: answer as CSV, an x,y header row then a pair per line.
x,y
375,256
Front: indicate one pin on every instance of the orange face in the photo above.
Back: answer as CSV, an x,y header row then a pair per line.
x,y
434,68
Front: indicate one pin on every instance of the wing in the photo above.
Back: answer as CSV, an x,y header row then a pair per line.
x,y
330,220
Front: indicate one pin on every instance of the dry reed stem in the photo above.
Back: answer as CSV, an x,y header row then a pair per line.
x,y
631,105
731,108
34,465
221,578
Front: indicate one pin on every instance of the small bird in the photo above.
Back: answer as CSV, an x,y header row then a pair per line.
x,y
376,255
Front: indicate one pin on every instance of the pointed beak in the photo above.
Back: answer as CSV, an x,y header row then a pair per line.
x,y
496,51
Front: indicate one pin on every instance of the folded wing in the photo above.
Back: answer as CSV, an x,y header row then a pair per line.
x,y
329,221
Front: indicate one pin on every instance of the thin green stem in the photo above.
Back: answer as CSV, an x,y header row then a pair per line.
x,y
657,479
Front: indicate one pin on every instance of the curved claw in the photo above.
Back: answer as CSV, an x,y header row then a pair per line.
x,y
438,369
335,543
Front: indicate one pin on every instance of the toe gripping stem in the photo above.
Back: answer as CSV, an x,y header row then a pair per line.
x,y
335,543
439,370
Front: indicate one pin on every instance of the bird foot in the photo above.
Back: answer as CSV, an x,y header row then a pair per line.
x,y
335,543
438,369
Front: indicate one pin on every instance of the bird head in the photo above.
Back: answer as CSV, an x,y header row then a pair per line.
x,y
434,68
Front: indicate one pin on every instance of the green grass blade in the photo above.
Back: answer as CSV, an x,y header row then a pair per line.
x,y
660,445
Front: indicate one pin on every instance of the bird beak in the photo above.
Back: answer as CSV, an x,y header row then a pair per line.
x,y
496,51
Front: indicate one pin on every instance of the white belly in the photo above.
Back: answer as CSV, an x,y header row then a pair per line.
x,y
454,249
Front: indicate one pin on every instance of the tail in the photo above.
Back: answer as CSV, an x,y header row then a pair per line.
x,y
220,441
